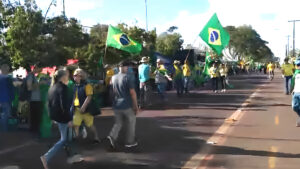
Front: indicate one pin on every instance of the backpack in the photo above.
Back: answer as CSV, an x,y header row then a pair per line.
x,y
25,94
94,106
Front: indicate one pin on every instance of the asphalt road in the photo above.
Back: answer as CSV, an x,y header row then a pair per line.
x,y
265,137
175,135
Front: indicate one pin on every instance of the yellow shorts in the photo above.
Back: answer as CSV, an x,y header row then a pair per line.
x,y
79,117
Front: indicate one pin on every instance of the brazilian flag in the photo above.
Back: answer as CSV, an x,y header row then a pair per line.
x,y
215,35
117,39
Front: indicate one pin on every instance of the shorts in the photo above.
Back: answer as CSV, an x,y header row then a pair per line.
x,y
79,117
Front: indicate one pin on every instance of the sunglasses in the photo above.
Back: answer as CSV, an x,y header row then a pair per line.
x,y
77,75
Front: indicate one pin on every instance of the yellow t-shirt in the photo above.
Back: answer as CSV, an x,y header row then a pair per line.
x,y
270,67
223,71
287,69
213,72
186,70
88,92
109,74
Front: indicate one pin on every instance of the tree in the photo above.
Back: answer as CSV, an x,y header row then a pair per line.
x,y
23,35
61,40
168,43
246,43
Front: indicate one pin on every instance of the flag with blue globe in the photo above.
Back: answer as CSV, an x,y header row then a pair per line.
x,y
117,39
215,35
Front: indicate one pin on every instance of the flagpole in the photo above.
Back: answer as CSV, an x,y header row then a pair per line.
x,y
187,56
105,52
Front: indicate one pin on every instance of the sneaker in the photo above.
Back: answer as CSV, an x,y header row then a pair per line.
x,y
75,159
131,145
44,162
111,142
84,133
96,141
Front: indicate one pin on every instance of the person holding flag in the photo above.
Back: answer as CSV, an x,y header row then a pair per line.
x,y
186,75
178,78
214,75
217,38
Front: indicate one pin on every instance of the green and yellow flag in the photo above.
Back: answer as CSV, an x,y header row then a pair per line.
x,y
117,39
215,35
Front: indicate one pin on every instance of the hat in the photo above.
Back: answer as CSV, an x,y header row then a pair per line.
x,y
144,59
297,62
176,62
159,61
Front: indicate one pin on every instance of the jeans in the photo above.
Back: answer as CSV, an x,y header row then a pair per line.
x,y
5,113
186,83
63,129
161,87
223,82
36,108
179,86
128,117
288,83
215,83
145,91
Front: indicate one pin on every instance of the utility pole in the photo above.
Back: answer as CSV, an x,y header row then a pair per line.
x,y
288,46
294,21
64,9
146,15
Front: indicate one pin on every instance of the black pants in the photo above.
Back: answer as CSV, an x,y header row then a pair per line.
x,y
35,116
215,83
223,82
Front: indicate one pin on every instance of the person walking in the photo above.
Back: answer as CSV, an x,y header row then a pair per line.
x,y
6,96
287,70
161,79
144,71
295,89
125,107
223,75
178,75
186,75
271,68
214,75
82,97
60,113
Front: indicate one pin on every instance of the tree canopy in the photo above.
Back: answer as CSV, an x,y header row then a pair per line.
x,y
246,43
168,43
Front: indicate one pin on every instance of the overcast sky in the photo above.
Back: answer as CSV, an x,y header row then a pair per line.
x,y
268,17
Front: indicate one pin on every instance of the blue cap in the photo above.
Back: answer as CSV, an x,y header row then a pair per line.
x,y
297,62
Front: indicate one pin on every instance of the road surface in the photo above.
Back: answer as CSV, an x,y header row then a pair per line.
x,y
250,126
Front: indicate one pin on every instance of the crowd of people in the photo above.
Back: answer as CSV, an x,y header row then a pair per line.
x,y
70,101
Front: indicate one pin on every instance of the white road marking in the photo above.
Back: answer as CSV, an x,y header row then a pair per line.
x,y
218,137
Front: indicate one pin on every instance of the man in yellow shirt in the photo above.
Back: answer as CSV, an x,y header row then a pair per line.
x,y
271,68
287,70
186,75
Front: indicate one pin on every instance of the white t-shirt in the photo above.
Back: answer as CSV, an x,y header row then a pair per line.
x,y
297,84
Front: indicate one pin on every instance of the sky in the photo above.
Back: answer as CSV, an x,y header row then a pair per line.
x,y
268,17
